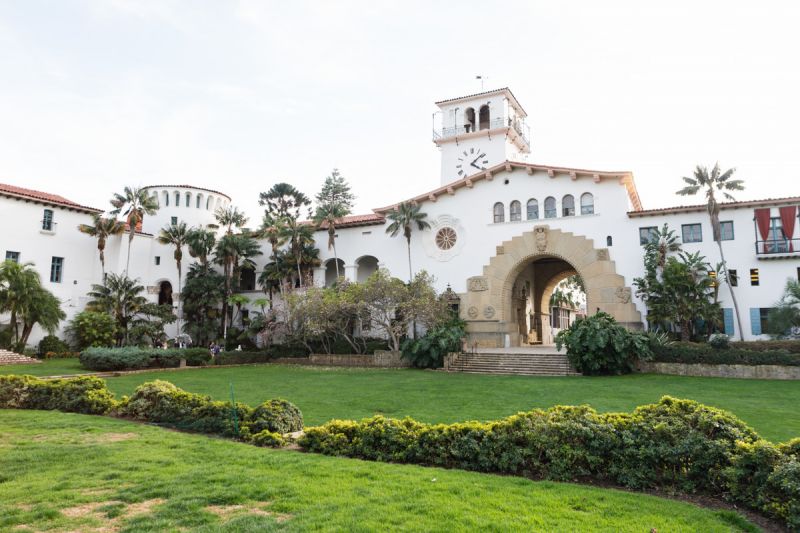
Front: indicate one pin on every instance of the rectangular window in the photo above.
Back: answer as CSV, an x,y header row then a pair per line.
x,y
798,273
692,233
776,241
647,234
754,277
733,277
726,230
174,221
12,256
764,318
727,321
47,220
56,269
158,260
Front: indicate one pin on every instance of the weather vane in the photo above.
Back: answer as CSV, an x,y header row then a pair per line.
x,y
482,78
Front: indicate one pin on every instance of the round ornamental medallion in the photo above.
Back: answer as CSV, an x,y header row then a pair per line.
x,y
472,312
446,238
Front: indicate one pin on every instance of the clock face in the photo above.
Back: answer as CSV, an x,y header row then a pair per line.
x,y
470,161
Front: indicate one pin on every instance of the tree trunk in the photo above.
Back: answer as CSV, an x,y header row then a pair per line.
x,y
227,272
686,333
128,261
336,260
410,274
733,295
180,298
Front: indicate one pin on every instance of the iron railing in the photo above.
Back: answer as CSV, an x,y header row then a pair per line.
x,y
522,129
777,246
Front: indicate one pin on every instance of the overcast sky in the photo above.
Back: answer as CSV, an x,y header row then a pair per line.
x,y
238,95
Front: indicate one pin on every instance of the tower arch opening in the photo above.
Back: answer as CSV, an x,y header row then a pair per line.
x,y
483,117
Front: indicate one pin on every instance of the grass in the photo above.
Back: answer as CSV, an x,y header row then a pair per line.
x,y
50,367
327,393
323,394
63,471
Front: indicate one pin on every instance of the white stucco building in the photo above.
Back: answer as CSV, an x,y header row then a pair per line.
x,y
504,232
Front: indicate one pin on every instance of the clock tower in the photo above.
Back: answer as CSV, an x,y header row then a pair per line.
x,y
479,131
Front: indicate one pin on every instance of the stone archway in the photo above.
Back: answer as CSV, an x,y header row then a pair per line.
x,y
487,305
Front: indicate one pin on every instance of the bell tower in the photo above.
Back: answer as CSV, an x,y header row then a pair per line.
x,y
479,131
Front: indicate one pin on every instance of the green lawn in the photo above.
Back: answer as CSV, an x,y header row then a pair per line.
x,y
322,394
51,367
63,471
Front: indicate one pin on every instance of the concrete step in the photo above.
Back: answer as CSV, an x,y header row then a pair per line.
x,y
524,364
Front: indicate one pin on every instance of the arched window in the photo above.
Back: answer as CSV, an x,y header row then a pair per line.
x,y
469,120
533,209
188,199
483,117
166,199
550,207
515,211
609,241
499,212
587,204
208,203
568,206
177,199
199,200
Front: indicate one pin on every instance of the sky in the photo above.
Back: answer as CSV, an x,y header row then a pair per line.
x,y
239,95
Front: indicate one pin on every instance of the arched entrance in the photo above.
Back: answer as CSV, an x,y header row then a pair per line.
x,y
165,293
494,302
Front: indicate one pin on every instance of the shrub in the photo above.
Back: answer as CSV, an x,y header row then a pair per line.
x,y
133,358
598,345
429,350
53,344
719,341
674,445
268,439
277,416
162,402
87,395
696,353
791,346
92,328
242,358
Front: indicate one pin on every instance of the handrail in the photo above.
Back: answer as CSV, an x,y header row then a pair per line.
x,y
777,246
522,129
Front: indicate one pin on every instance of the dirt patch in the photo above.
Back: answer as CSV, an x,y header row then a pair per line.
x,y
225,512
95,511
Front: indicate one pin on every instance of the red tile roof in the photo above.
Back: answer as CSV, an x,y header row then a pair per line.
x,y
766,202
352,221
43,197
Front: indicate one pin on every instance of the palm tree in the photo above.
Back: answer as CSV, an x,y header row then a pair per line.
x,y
298,235
24,298
404,218
230,217
662,243
102,228
133,204
201,243
711,183
272,229
233,252
177,236
334,201
121,297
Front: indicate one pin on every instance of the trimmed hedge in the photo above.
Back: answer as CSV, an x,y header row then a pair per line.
x,y
768,346
158,402
161,402
133,358
87,395
243,358
674,445
695,353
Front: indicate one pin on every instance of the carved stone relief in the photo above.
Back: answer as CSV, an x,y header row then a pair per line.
x,y
472,312
477,284
488,311
602,254
540,237
623,294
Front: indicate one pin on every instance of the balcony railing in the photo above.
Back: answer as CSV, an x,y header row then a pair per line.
x,y
777,246
522,129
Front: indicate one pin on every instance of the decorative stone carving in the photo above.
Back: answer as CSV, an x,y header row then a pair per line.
x,y
488,312
477,284
602,254
472,312
623,294
152,289
540,237
500,250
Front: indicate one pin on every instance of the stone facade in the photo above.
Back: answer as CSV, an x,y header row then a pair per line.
x,y
722,371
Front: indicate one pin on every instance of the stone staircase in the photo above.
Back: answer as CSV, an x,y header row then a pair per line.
x,y
12,358
523,362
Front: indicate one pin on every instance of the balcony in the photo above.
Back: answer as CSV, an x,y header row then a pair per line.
x,y
778,248
518,126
